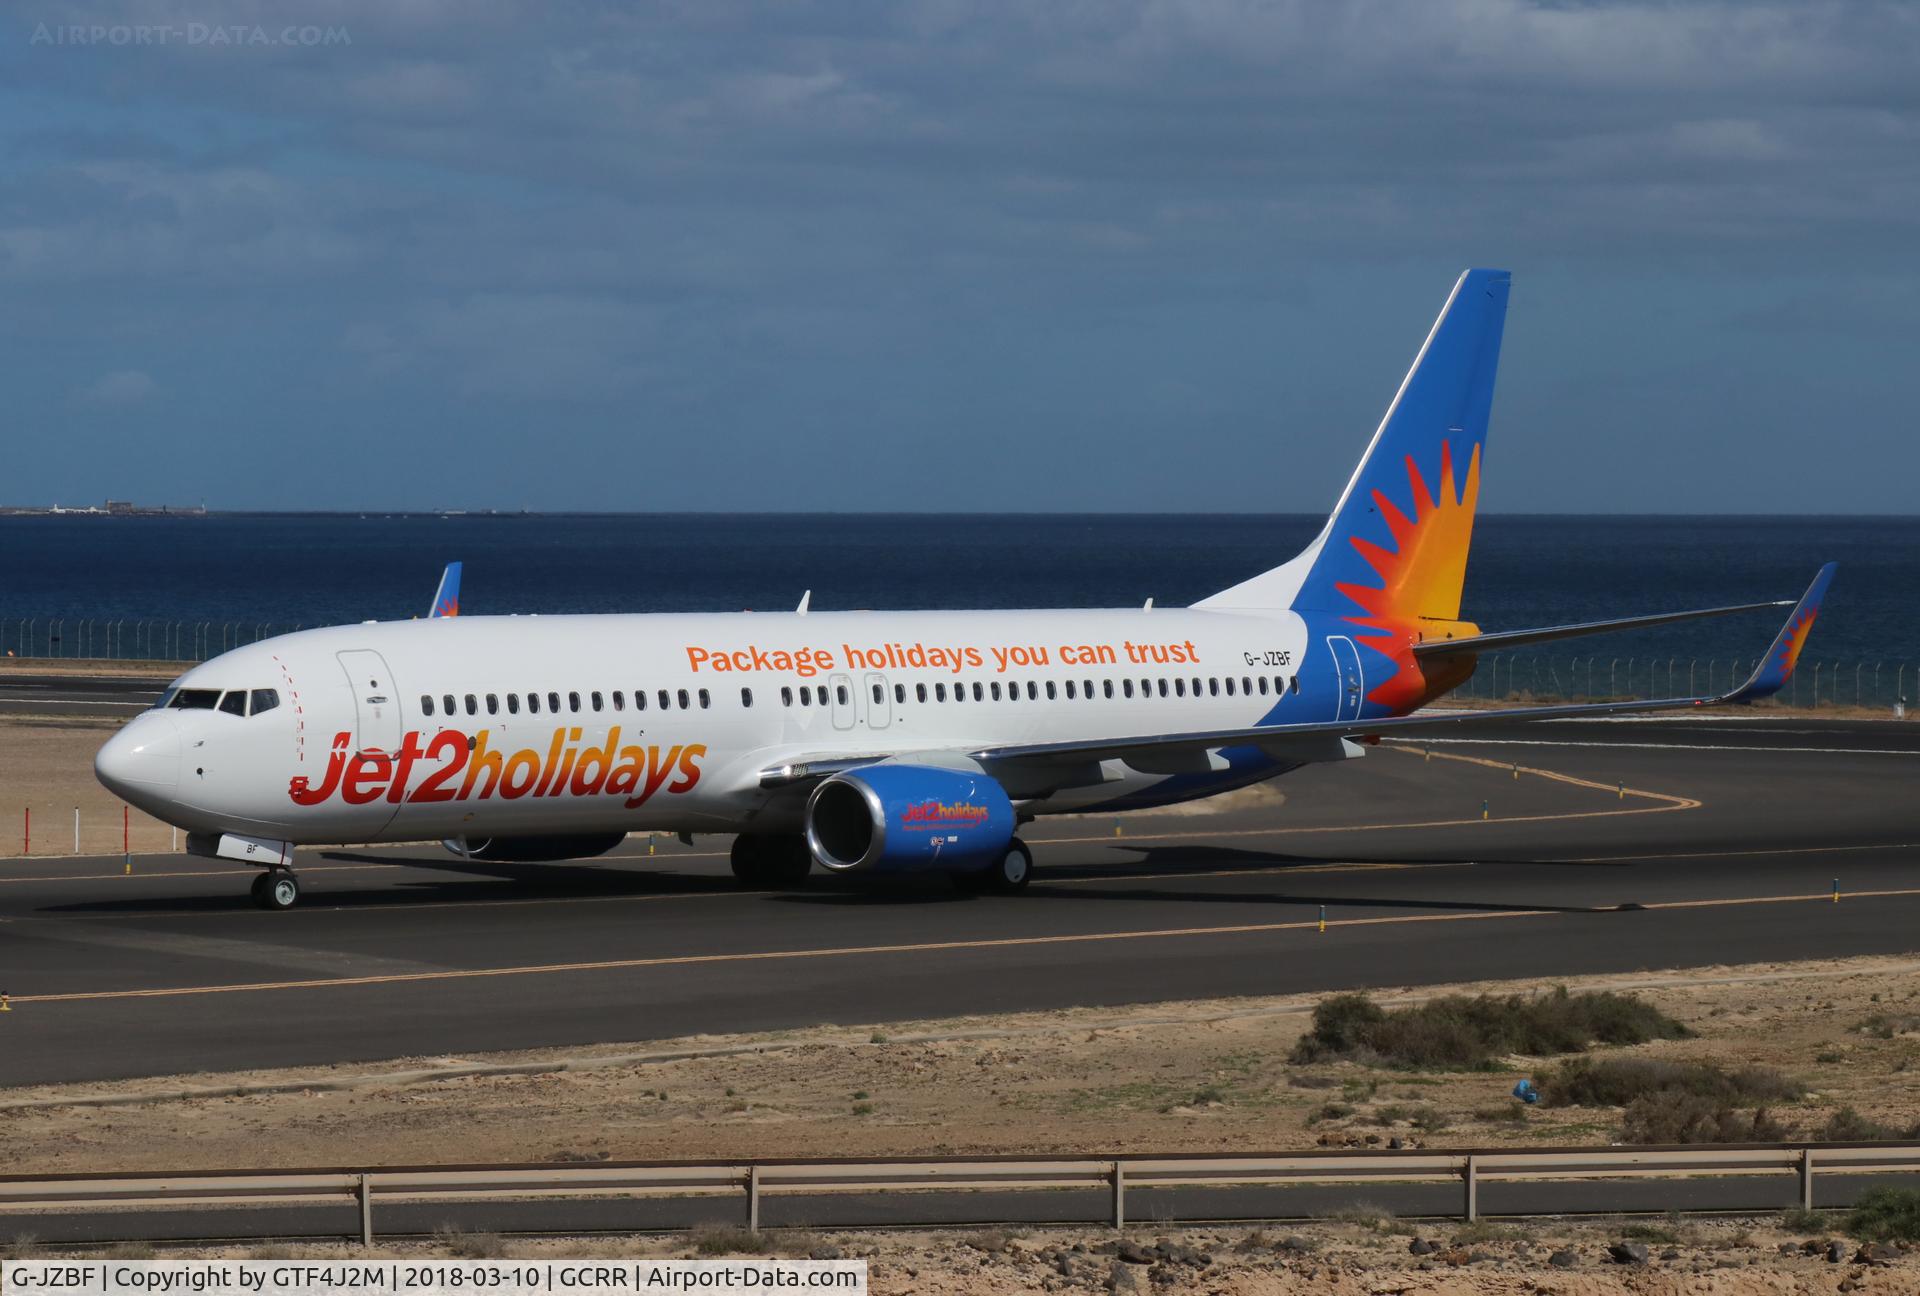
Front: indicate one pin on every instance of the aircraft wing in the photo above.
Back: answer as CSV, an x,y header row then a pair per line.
x,y
1768,678
1501,639
1314,740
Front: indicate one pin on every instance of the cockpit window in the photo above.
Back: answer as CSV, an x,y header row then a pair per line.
x,y
166,698
264,700
188,699
235,702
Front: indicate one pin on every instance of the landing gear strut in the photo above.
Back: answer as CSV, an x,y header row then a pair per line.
x,y
771,860
277,888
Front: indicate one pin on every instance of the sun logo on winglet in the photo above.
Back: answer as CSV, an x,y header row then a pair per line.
x,y
1420,576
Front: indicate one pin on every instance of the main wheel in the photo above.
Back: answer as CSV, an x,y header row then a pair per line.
x,y
276,889
1006,875
749,859
787,860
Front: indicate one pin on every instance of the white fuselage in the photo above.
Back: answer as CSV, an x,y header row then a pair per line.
x,y
476,726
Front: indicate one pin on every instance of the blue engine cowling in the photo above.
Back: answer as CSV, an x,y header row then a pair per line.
x,y
908,818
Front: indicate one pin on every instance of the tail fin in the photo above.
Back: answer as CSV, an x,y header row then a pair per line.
x,y
446,599
1395,548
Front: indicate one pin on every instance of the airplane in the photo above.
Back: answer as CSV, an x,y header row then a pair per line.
x,y
874,742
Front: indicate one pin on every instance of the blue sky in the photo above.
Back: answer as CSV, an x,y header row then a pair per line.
x,y
946,255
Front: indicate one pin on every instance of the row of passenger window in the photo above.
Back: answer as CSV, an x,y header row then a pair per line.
x,y
237,702
809,695
992,691
666,699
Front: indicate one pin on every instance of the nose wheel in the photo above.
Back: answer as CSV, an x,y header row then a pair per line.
x,y
277,888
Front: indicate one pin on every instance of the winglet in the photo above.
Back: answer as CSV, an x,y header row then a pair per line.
x,y
805,601
1776,668
446,599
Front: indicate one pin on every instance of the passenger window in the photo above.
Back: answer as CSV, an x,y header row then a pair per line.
x,y
1050,692
995,690
1229,686
1146,688
746,697
940,692
1263,686
1293,684
513,704
1213,686
1179,686
1033,691
959,692
806,695
573,701
879,694
920,692
1163,687
1279,684
639,699
1126,687
473,705
840,694
426,704
1106,688
1246,686
596,700
235,702
706,699
1086,689
786,695
681,697
533,704
448,701
263,700
619,700
493,704
900,693
665,700
553,703
1069,690
979,693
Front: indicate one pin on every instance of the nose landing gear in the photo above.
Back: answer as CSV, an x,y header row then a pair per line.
x,y
277,888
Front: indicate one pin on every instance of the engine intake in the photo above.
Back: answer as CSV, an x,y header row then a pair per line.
x,y
534,850
908,818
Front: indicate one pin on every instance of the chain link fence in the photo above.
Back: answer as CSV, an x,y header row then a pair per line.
x,y
1501,676
129,640
1539,678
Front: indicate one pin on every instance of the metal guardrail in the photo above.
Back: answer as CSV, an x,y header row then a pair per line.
x,y
1601,677
125,639
1115,1176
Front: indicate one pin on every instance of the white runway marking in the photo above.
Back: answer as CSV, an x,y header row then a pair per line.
x,y
1652,746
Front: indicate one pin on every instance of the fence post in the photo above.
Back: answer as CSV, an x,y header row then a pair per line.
x,y
1472,1176
76,830
366,1210
1119,1195
753,1199
1806,1179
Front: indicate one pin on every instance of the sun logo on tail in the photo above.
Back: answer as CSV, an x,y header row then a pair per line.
x,y
1420,576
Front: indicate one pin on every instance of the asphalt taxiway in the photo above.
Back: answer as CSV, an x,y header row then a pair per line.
x,y
1612,847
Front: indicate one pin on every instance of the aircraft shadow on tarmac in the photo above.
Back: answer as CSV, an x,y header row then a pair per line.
x,y
1156,871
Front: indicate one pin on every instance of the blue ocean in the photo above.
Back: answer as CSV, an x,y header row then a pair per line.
x,y
86,585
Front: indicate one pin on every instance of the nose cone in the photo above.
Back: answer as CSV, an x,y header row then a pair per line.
x,y
142,761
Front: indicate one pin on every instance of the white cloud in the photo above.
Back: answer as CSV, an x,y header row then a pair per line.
x,y
121,387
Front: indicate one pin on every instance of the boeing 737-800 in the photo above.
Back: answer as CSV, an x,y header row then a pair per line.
x,y
870,741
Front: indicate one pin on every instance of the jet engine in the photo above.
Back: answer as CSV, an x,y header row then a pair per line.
x,y
897,818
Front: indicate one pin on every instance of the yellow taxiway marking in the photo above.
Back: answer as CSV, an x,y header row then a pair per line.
x,y
925,947
1724,854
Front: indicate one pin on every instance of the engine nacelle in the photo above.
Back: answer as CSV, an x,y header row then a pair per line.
x,y
534,850
908,818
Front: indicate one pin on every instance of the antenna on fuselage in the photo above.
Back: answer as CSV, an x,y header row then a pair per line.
x,y
804,600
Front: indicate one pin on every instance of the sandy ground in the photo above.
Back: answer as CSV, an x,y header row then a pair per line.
x,y
1160,1078
46,768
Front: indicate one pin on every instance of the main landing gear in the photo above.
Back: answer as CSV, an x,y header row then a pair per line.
x,y
277,888
1006,875
771,859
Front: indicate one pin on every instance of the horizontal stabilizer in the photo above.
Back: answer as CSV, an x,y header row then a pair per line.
x,y
1504,639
